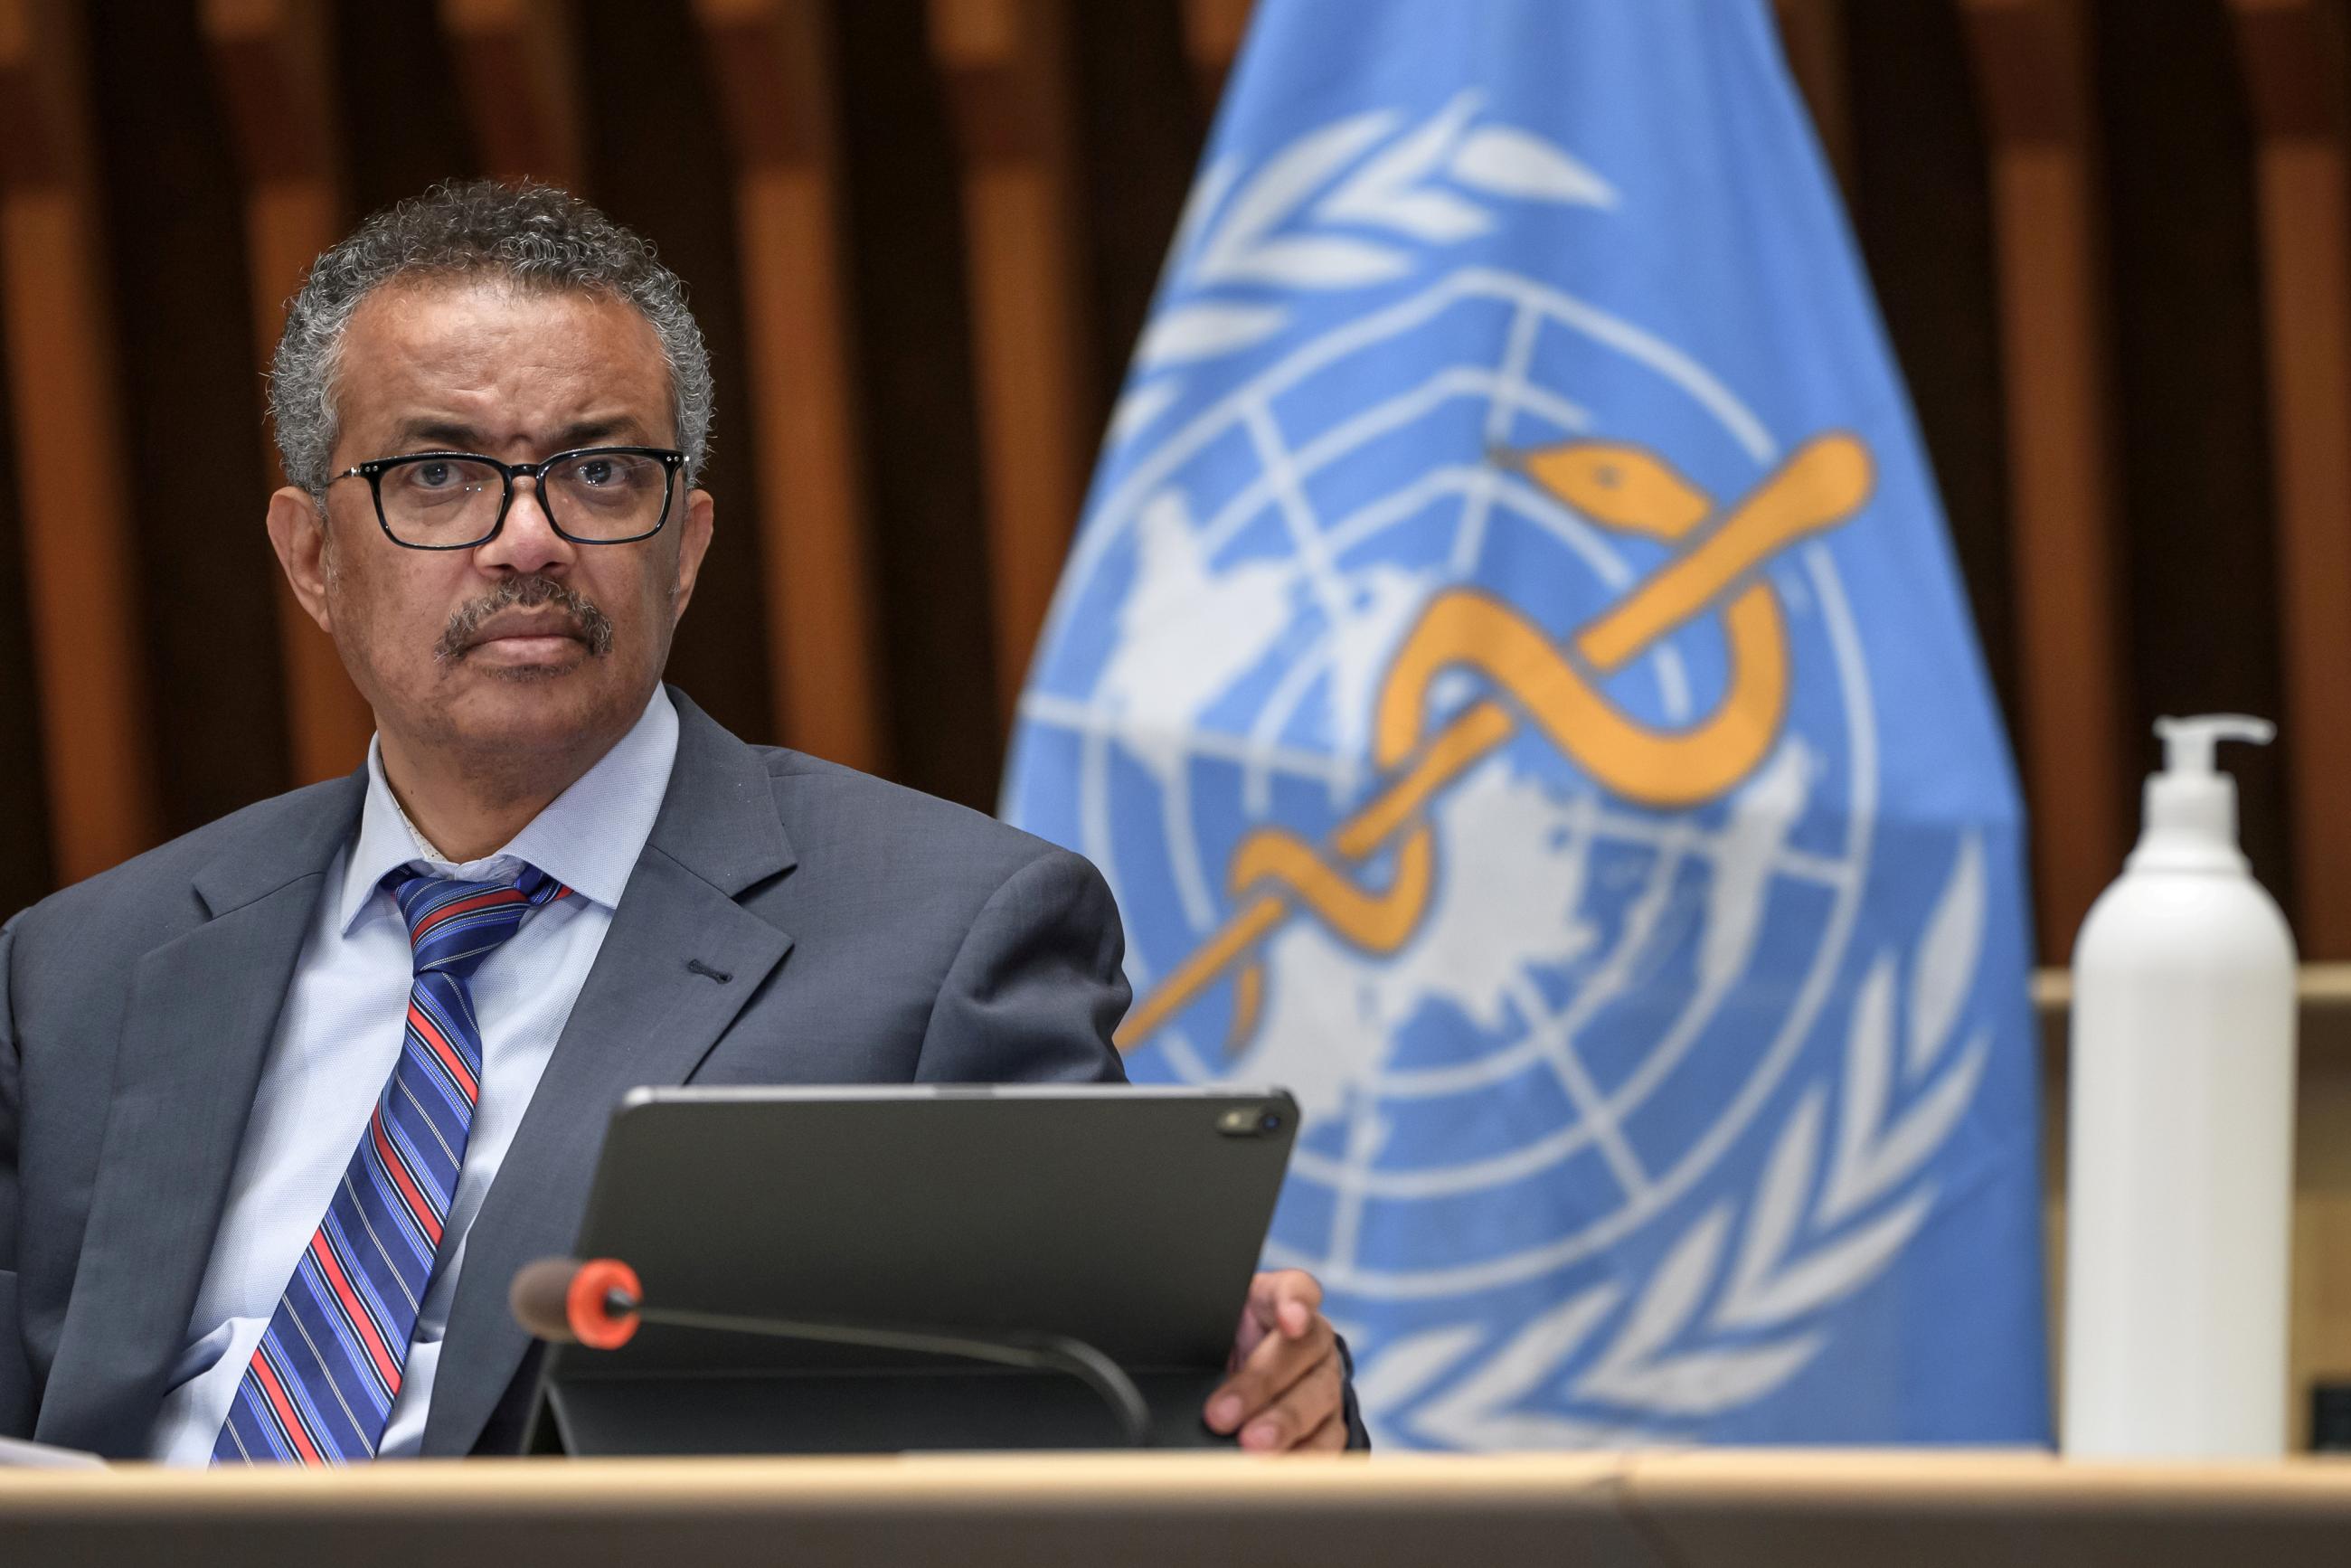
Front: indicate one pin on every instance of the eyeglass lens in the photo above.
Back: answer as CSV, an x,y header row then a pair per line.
x,y
590,495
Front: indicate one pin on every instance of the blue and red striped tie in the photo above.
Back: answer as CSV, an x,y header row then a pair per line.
x,y
320,1384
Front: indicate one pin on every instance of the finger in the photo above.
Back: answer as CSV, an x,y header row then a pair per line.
x,y
1331,1437
1282,1302
1308,1406
1266,1372
1286,1300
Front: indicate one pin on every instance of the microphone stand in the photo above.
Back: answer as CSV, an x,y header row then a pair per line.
x,y
1030,1352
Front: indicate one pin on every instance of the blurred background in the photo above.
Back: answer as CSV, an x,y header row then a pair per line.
x,y
922,237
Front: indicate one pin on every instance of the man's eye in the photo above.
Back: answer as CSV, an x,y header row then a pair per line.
x,y
595,470
432,475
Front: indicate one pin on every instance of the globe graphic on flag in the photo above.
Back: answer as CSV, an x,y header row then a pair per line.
x,y
1569,1039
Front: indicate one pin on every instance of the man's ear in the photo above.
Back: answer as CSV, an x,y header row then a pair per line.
x,y
298,532
692,543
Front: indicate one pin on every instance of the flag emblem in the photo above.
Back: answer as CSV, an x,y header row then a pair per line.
x,y
1466,694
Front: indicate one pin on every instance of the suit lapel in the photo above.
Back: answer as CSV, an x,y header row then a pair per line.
x,y
643,1016
197,1027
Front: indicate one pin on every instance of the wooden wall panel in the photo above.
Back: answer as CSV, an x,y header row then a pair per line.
x,y
1141,127
1213,30
2104,418
195,451
2192,496
771,62
917,404
271,60
2034,62
517,71
81,571
658,160
2297,69
26,872
1813,37
1008,64
1921,203
403,113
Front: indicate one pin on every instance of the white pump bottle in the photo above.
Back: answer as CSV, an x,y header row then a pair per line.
x,y
2180,1184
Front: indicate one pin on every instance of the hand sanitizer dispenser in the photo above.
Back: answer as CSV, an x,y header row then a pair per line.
x,y
2180,1158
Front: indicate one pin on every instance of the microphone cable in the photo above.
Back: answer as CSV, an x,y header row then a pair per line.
x,y
538,1289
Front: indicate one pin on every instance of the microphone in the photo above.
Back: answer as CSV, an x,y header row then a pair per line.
x,y
601,1302
565,1302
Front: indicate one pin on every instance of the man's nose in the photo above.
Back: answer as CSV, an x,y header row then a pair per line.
x,y
528,543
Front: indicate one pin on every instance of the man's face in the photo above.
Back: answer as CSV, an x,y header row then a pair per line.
x,y
529,644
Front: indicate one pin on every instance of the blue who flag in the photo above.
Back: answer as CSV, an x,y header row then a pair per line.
x,y
1513,675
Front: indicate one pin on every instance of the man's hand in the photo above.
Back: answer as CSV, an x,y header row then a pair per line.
x,y
1286,1387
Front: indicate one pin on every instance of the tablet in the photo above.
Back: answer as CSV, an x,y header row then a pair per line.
x,y
1128,1217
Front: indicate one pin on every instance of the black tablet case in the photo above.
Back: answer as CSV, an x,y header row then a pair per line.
x,y
1131,1218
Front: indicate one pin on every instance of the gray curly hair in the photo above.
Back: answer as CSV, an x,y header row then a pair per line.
x,y
542,238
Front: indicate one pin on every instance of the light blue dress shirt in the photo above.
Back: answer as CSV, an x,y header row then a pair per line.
x,y
339,1036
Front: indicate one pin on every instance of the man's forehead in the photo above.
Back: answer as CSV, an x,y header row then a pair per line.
x,y
499,360
477,315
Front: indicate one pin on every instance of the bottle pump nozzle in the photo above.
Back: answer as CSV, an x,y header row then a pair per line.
x,y
2191,806
2189,743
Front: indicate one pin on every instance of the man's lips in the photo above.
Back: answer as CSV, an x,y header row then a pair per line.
x,y
526,630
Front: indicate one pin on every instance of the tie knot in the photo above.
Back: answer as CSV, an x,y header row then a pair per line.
x,y
452,925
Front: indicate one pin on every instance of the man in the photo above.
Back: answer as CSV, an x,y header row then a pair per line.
x,y
285,1104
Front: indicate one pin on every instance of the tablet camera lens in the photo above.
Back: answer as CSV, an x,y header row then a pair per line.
x,y
1271,1122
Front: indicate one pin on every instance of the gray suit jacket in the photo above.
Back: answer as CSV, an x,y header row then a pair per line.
x,y
843,930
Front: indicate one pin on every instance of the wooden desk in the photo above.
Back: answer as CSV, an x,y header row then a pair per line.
x,y
1707,1510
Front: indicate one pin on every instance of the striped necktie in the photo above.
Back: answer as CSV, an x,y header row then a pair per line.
x,y
320,1384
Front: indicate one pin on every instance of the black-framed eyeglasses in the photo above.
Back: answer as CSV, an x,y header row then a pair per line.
x,y
458,500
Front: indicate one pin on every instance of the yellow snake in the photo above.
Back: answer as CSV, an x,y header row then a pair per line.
x,y
1274,872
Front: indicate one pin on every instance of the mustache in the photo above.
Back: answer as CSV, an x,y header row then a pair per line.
x,y
590,624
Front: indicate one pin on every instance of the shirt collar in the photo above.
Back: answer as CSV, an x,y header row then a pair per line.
x,y
588,838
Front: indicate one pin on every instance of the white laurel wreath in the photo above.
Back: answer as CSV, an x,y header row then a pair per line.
x,y
1698,1341
1242,246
